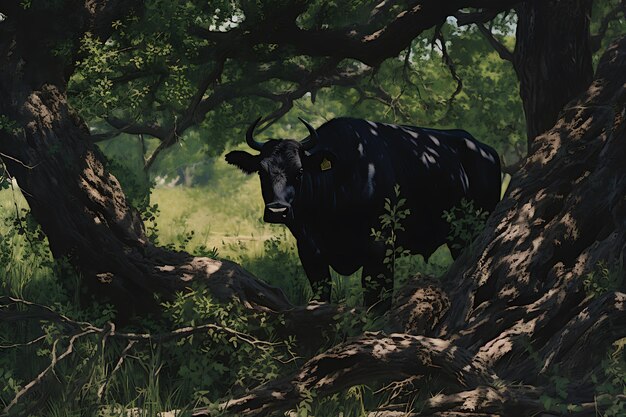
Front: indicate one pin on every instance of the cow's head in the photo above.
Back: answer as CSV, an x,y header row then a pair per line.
x,y
281,165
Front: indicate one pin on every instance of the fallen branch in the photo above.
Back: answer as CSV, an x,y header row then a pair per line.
x,y
371,357
47,314
53,363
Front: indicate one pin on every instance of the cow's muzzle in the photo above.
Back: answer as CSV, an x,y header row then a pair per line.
x,y
277,212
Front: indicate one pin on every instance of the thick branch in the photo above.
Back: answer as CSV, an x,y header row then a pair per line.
x,y
133,128
502,50
308,81
476,18
372,357
374,47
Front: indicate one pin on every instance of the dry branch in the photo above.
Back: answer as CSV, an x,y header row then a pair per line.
x,y
45,313
54,360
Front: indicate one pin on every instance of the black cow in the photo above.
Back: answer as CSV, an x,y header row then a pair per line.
x,y
329,190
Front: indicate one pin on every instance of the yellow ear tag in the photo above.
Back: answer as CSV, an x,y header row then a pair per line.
x,y
325,165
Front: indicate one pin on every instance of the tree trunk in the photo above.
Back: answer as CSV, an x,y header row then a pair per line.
x,y
519,313
78,203
552,58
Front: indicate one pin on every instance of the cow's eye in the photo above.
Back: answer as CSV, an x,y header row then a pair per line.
x,y
299,173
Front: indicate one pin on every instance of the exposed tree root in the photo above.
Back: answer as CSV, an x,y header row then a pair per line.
x,y
371,357
419,306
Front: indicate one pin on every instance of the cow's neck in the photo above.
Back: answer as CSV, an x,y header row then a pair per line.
x,y
318,195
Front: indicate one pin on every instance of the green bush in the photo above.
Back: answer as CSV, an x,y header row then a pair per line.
x,y
466,223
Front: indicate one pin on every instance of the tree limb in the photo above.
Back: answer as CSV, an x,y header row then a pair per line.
x,y
479,17
133,128
499,47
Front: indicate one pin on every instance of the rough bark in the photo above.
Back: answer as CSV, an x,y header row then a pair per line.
x,y
552,58
419,305
518,309
369,357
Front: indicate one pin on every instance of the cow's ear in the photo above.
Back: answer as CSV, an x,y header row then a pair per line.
x,y
320,161
246,162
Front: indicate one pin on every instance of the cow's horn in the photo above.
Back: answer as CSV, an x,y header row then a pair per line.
x,y
250,136
312,140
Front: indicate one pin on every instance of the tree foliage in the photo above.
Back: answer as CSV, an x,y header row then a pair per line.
x,y
213,67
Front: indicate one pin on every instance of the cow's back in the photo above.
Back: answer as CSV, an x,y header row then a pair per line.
x,y
435,169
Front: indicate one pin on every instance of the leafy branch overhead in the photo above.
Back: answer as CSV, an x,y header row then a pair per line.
x,y
163,71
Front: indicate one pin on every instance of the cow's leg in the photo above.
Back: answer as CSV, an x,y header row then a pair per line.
x,y
377,281
319,277
317,271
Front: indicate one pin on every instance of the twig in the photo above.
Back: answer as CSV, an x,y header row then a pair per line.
x,y
32,342
118,365
406,68
82,329
110,331
445,58
54,361
3,155
50,314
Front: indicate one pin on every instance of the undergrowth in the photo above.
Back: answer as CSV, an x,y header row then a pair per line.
x,y
108,376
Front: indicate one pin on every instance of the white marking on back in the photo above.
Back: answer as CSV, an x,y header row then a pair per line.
x,y
373,132
486,156
432,151
374,125
371,170
360,149
412,133
434,140
464,180
471,145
